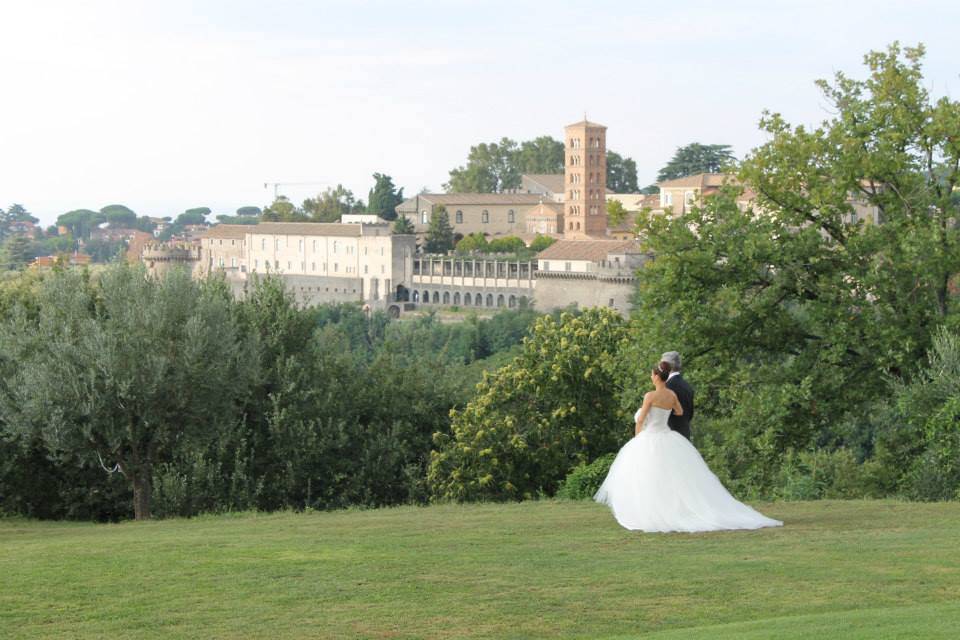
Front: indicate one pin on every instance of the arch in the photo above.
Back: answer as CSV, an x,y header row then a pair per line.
x,y
416,296
523,302
436,297
489,300
446,297
425,296
456,298
467,301
500,300
512,302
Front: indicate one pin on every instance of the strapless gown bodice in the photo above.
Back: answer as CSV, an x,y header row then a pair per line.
x,y
657,419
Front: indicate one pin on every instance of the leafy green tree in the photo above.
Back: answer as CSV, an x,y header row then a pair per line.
x,y
123,369
616,213
509,244
81,222
403,226
540,155
249,211
197,215
331,205
535,419
17,252
225,219
541,242
697,158
104,250
474,242
18,213
440,232
621,173
119,216
490,168
496,167
384,197
792,301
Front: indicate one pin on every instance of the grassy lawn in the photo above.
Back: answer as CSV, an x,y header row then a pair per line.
x,y
535,570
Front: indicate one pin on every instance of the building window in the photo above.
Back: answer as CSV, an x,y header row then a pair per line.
x,y
423,217
546,263
276,265
256,263
300,245
313,266
383,269
459,219
485,216
336,267
511,216
567,266
365,269
334,246
233,262
314,245
289,266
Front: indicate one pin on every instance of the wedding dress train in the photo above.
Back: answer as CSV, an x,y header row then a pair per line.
x,y
659,482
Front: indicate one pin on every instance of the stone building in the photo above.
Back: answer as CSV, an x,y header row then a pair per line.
x,y
492,214
473,282
678,195
161,257
319,262
588,273
585,178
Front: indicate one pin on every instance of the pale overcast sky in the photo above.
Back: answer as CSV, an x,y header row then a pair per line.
x,y
173,104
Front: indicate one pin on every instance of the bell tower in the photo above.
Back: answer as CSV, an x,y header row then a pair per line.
x,y
585,181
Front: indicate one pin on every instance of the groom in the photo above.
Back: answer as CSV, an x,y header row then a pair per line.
x,y
676,383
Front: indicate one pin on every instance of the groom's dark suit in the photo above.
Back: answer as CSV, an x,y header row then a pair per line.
x,y
681,424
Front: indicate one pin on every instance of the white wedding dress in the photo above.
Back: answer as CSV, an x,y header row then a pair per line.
x,y
659,482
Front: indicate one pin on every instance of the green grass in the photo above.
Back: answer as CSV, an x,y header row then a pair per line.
x,y
534,570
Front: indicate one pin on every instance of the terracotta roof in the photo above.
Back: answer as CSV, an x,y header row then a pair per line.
x,y
307,229
226,231
552,182
587,123
699,181
546,210
593,250
451,199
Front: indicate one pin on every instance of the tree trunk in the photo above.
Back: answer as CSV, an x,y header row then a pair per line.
x,y
141,495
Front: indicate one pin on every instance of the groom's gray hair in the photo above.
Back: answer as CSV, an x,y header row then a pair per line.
x,y
673,358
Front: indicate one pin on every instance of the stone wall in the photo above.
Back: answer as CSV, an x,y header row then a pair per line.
x,y
583,290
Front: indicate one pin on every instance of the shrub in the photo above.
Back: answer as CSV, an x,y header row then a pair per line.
x,y
822,474
536,418
585,479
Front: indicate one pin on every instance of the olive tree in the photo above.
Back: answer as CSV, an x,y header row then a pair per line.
x,y
123,368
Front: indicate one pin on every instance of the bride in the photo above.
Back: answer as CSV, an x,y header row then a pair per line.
x,y
659,482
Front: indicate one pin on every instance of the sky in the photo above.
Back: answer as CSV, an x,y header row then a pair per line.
x,y
167,105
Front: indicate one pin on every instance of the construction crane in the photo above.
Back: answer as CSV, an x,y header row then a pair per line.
x,y
276,186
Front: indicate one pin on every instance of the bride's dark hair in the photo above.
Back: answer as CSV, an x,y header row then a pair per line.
x,y
662,370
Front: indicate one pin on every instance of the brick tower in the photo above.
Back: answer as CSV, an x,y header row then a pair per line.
x,y
585,181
